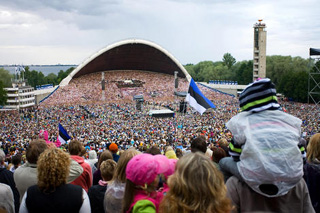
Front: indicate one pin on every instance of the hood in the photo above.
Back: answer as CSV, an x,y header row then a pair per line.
x,y
92,154
171,154
77,158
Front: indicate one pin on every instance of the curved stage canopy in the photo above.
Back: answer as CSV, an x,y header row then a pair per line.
x,y
133,54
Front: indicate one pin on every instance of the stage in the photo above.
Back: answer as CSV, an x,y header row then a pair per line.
x,y
162,113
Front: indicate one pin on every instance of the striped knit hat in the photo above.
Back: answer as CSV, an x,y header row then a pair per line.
x,y
258,96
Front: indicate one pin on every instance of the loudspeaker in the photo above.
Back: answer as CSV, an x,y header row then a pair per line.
x,y
176,83
103,85
183,107
138,105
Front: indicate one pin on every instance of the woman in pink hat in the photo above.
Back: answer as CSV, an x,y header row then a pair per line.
x,y
142,174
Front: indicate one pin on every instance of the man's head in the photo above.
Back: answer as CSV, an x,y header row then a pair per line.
x,y
35,148
76,148
199,144
154,150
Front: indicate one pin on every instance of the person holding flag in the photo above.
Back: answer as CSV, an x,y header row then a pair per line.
x,y
63,136
196,99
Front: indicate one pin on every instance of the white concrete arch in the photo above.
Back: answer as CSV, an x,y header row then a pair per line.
x,y
66,80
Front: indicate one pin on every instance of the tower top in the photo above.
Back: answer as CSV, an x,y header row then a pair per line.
x,y
260,24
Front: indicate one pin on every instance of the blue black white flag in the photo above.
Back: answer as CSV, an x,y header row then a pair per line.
x,y
197,100
63,135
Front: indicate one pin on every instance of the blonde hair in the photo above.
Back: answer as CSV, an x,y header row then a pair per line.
x,y
53,169
120,174
188,194
313,149
223,142
107,169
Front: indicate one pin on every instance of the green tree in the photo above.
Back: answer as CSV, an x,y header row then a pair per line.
x,y
228,60
278,66
51,78
3,94
36,78
189,68
201,69
62,74
221,71
243,72
294,85
5,77
41,79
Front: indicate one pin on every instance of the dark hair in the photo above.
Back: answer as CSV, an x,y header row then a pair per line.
x,y
153,150
179,153
199,144
75,147
105,155
217,154
35,148
16,160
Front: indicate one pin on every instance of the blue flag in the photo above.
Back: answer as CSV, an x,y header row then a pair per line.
x,y
197,100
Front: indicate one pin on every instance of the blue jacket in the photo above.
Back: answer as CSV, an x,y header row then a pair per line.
x,y
115,157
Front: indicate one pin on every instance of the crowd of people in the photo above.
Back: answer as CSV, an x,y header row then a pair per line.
x,y
107,157
156,87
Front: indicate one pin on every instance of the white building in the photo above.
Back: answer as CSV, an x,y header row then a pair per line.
x,y
20,96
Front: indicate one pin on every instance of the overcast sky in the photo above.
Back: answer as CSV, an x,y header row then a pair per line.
x,y
70,31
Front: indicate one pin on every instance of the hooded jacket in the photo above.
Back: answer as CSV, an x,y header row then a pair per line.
x,y
85,179
92,160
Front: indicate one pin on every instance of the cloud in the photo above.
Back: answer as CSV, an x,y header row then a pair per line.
x,y
192,30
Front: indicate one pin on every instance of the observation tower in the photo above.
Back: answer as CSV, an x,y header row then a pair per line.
x,y
259,50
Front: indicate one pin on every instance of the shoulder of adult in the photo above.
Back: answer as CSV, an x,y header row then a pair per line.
x,y
233,181
72,186
233,184
29,168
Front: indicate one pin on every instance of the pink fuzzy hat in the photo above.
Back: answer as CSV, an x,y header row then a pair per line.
x,y
144,168
171,168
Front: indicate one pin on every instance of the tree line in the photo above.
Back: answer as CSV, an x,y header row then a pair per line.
x,y
34,78
290,74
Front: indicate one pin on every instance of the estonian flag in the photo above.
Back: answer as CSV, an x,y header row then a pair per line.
x,y
63,135
197,100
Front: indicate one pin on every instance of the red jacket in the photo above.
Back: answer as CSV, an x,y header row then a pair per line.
x,y
85,179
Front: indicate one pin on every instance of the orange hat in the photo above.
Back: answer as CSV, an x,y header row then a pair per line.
x,y
113,147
